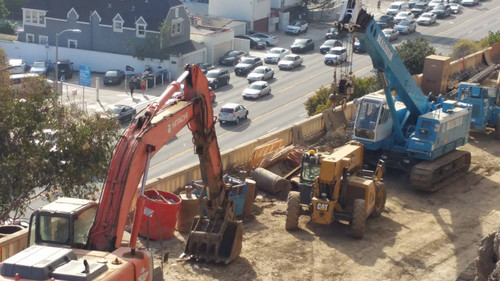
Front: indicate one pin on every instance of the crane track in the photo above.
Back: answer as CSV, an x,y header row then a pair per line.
x,y
434,175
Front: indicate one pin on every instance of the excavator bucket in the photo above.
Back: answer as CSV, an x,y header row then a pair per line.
x,y
216,240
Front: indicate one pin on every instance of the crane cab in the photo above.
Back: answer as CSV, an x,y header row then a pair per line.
x,y
64,222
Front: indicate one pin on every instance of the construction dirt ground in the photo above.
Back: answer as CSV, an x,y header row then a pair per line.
x,y
420,236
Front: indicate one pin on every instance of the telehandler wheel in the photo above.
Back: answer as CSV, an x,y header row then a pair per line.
x,y
380,197
358,219
293,210
497,128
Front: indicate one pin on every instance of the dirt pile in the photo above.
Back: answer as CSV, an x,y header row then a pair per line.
x,y
487,262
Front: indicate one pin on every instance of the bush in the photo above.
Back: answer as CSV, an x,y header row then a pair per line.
x,y
320,101
8,28
465,47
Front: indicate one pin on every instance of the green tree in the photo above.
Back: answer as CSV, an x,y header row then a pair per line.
x,y
465,47
413,53
319,101
46,148
366,85
3,10
156,46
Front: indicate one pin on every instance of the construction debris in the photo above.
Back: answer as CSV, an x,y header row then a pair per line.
x,y
271,183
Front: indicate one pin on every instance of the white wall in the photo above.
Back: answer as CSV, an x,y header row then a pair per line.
x,y
233,9
98,62
261,9
212,40
239,27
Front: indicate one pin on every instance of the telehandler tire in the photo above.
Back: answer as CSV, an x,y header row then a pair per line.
x,y
497,128
358,219
293,210
380,197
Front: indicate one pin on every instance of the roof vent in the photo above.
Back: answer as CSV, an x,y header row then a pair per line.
x,y
132,8
110,6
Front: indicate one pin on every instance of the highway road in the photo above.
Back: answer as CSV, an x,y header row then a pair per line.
x,y
290,89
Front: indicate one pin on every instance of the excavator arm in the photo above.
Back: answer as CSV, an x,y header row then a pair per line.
x,y
142,139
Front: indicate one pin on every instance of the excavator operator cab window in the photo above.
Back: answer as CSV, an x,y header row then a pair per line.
x,y
310,171
368,115
53,229
82,225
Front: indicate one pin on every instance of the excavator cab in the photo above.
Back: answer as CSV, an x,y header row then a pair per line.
x,y
64,222
373,120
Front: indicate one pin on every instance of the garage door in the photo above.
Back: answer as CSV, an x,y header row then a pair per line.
x,y
261,25
195,57
220,50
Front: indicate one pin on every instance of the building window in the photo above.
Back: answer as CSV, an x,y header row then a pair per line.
x,y
118,23
176,29
34,17
176,12
141,30
30,38
73,44
42,39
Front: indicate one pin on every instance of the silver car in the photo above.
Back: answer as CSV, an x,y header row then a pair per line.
x,y
260,73
276,54
269,39
256,90
427,18
290,62
232,112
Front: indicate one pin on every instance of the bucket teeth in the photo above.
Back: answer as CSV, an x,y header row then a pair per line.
x,y
214,240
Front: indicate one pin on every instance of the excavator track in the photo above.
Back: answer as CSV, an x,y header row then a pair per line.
x,y
434,175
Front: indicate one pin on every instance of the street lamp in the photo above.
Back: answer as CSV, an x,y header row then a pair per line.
x,y
57,55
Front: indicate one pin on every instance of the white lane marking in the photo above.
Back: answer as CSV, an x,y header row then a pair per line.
x,y
273,129
303,114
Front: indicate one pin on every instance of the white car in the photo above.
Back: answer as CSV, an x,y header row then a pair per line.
x,y
469,2
403,16
260,73
256,90
276,54
455,8
290,62
269,39
232,112
297,27
434,3
325,48
427,18
336,55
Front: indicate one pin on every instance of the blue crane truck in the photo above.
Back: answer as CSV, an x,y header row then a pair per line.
x,y
413,132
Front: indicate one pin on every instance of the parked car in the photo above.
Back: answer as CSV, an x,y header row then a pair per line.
x,y
297,27
456,8
427,18
442,11
406,26
385,21
333,33
434,3
260,73
420,8
40,67
325,48
256,90
302,45
114,76
64,68
358,47
205,67
231,57
17,66
255,43
396,7
269,39
217,77
122,112
390,34
469,2
403,16
336,55
232,112
276,54
290,62
246,65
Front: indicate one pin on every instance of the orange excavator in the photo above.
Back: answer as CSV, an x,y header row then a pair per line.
x,y
81,240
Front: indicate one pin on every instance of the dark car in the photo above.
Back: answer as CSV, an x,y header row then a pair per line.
x,y
334,33
114,76
64,68
302,45
205,67
217,77
358,46
385,21
231,57
123,113
442,10
325,48
255,43
420,8
247,64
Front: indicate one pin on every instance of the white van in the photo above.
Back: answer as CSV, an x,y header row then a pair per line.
x,y
396,7
17,66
